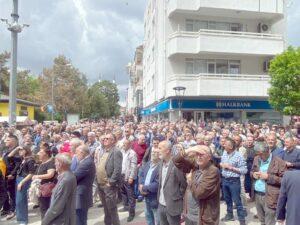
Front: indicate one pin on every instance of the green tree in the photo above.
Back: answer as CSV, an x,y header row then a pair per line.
x,y
28,86
285,82
96,104
4,73
69,86
110,91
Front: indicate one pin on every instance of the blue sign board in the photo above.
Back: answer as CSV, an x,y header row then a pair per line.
x,y
213,104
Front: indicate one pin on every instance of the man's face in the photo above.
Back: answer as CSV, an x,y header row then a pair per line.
x,y
202,158
155,143
24,131
79,153
289,143
108,141
228,146
126,145
188,136
142,140
271,141
155,155
91,138
237,140
10,142
164,152
250,142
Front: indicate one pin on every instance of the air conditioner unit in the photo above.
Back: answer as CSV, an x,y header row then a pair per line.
x,y
266,66
263,28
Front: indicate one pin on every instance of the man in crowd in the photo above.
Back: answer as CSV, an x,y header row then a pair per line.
x,y
205,183
267,172
289,199
109,168
92,143
233,166
171,189
85,175
148,186
291,154
12,164
129,174
272,145
63,199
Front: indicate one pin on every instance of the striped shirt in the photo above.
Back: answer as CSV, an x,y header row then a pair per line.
x,y
236,160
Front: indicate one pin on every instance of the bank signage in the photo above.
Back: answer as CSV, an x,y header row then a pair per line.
x,y
233,105
213,104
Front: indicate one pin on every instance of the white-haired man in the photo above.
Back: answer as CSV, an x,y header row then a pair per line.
x,y
63,199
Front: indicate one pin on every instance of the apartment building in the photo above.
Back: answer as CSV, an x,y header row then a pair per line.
x,y
218,50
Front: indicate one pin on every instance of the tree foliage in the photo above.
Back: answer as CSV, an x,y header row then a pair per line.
x,y
70,90
285,82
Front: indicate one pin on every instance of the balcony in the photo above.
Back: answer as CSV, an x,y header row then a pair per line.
x,y
224,42
220,84
262,9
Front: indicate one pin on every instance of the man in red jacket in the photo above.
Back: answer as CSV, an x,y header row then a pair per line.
x,y
140,148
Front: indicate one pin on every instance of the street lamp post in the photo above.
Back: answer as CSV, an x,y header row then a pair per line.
x,y
179,92
14,28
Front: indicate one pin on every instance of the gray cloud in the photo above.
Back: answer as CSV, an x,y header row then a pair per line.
x,y
98,36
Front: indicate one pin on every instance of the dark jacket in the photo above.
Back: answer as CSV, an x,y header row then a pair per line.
x,y
292,157
113,167
85,175
152,188
206,189
275,171
289,199
174,188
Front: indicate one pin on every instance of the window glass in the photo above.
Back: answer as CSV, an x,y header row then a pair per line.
x,y
189,66
221,66
200,66
211,67
189,25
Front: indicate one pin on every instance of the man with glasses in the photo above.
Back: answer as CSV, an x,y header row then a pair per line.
x,y
108,173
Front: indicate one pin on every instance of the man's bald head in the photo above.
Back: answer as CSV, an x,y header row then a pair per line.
x,y
165,148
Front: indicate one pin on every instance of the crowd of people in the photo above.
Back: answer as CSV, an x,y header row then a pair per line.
x,y
180,170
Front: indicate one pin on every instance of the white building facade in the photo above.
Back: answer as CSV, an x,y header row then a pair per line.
x,y
135,87
219,50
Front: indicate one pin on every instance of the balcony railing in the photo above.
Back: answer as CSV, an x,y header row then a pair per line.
x,y
226,33
221,41
220,84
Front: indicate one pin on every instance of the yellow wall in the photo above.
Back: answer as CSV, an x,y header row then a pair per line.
x,y
4,110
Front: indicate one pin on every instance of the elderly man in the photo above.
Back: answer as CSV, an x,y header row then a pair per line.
x,y
272,145
289,199
267,172
171,189
291,154
233,167
205,181
85,174
92,143
74,144
63,199
148,186
129,174
108,171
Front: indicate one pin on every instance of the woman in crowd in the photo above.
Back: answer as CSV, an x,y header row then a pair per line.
x,y
45,173
24,174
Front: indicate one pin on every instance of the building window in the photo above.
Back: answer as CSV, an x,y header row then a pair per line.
x,y
196,25
211,66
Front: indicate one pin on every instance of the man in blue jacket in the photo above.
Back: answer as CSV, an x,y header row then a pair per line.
x,y
148,186
85,175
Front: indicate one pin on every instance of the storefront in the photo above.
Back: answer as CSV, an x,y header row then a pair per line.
x,y
207,108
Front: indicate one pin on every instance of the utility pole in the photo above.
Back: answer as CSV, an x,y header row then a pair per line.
x,y
14,28
52,98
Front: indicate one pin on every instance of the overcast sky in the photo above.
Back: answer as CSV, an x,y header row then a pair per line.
x,y
98,36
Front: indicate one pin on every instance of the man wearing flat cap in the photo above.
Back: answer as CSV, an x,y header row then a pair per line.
x,y
267,172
